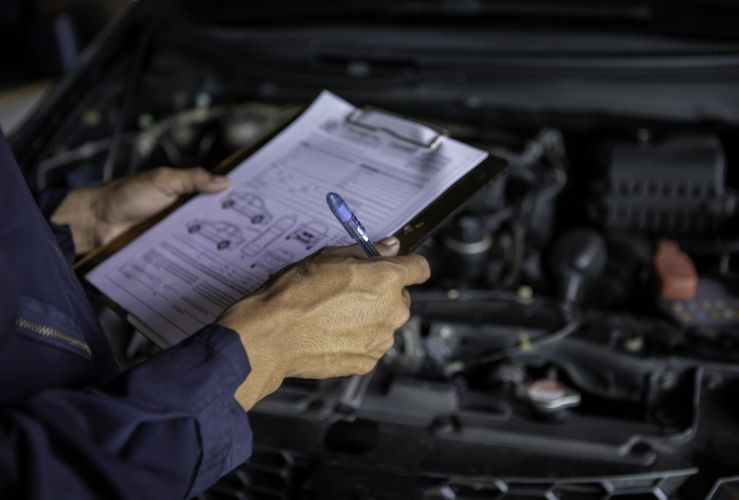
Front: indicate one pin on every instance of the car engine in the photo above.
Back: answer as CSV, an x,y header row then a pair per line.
x,y
580,335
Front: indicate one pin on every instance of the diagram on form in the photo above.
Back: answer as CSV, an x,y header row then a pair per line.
x,y
280,227
310,234
223,234
274,260
138,272
249,205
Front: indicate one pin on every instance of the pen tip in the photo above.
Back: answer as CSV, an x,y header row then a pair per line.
x,y
338,206
333,198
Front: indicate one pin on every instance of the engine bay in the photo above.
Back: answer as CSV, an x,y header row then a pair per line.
x,y
579,337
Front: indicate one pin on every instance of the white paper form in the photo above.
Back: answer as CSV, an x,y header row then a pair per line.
x,y
183,272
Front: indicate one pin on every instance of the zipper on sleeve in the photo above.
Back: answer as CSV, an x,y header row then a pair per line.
x,y
54,334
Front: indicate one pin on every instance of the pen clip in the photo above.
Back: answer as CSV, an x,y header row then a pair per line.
x,y
400,128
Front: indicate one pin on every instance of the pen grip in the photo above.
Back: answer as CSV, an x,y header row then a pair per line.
x,y
369,248
359,234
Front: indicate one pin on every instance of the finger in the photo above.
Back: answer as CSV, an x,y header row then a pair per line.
x,y
383,346
389,247
413,269
190,180
364,365
201,181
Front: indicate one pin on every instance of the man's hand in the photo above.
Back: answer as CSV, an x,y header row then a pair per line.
x,y
331,315
97,215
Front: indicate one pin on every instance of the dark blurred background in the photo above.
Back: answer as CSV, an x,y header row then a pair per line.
x,y
39,41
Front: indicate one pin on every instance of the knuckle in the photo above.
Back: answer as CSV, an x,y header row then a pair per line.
x,y
365,366
403,315
422,264
388,343
162,175
390,271
164,171
157,174
199,175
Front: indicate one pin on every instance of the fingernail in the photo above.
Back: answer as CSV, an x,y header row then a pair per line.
x,y
220,179
391,241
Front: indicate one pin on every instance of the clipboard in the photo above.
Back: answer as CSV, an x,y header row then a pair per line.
x,y
411,236
411,132
371,120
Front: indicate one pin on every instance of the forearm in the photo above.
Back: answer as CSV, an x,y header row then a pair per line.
x,y
168,428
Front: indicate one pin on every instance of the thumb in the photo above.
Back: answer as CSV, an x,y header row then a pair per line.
x,y
189,180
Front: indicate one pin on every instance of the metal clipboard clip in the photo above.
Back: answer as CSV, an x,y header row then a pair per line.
x,y
400,128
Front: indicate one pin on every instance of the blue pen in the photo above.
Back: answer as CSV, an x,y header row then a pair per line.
x,y
350,222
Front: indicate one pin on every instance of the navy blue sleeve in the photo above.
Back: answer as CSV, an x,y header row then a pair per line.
x,y
167,428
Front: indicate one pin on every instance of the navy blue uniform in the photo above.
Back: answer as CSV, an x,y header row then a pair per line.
x,y
71,426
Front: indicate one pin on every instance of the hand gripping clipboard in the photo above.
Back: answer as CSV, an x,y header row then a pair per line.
x,y
371,121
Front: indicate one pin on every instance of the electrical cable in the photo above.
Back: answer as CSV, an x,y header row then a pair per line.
x,y
112,157
572,319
